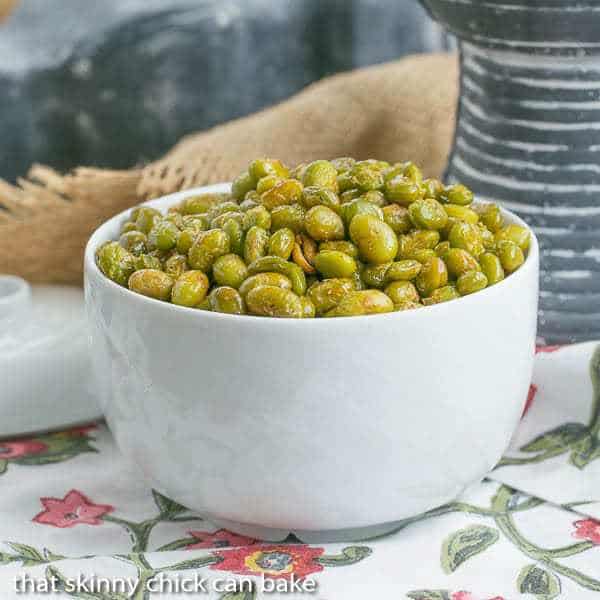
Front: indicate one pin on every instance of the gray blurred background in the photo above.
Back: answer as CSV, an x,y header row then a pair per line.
x,y
117,82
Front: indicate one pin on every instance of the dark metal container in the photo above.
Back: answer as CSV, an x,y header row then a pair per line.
x,y
528,136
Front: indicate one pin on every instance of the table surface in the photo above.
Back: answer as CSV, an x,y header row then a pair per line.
x,y
74,514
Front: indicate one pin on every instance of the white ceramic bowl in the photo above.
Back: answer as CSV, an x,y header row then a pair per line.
x,y
337,426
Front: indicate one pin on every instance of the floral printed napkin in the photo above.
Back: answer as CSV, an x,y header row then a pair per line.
x,y
555,453
77,520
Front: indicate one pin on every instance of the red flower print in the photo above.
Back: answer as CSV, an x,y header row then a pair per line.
x,y
546,350
73,509
275,562
533,389
587,529
219,539
19,449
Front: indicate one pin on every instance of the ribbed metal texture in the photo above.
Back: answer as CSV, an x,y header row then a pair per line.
x,y
528,136
545,27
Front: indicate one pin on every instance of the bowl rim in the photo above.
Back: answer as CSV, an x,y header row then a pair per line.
x,y
100,235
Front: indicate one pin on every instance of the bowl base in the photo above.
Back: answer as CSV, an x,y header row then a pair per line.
x,y
330,536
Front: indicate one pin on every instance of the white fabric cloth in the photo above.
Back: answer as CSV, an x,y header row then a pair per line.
x,y
72,508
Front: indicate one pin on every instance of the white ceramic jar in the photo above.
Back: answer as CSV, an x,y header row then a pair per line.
x,y
329,427
45,371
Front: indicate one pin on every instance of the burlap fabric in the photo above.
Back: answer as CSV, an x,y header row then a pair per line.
x,y
396,111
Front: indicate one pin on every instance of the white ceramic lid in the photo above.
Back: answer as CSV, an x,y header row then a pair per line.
x,y
45,373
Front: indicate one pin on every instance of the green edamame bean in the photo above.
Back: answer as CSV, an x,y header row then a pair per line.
x,y
251,196
196,205
186,240
190,289
491,267
175,265
346,182
462,213
335,264
266,183
270,301
412,172
402,190
442,248
422,256
115,262
510,255
407,306
364,302
367,176
428,213
316,196
432,188
281,243
411,244
229,270
270,279
134,242
308,308
351,194
163,235
145,218
152,283
402,292
217,210
323,224
255,243
258,216
227,300
491,216
471,282
374,276
291,217
395,170
196,222
263,167
375,197
466,236
360,207
321,173
208,246
220,221
274,264
365,236
376,241
403,270
458,194
235,232
248,203
342,246
433,275
487,237
443,294
397,218
128,226
146,261
287,192
516,234
327,294
459,261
